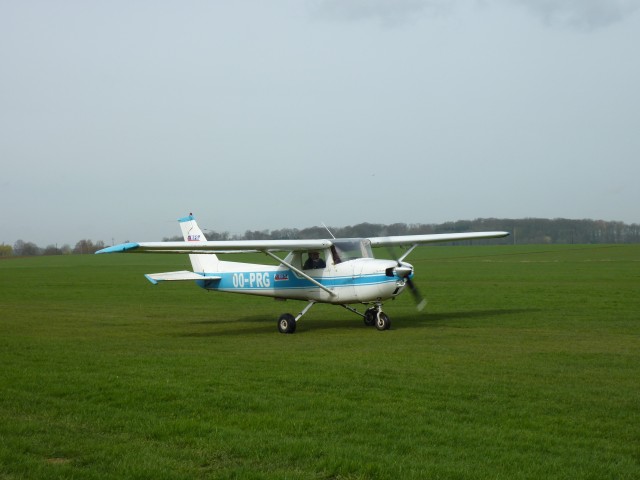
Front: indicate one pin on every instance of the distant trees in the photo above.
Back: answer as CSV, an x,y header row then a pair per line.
x,y
54,250
561,230
87,246
22,248
523,231
257,235
28,249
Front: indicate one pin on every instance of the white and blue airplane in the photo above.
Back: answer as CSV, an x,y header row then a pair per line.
x,y
335,271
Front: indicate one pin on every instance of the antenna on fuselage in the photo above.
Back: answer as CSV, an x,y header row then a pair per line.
x,y
327,229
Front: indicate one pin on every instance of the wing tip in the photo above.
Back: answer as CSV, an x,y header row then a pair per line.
x,y
123,247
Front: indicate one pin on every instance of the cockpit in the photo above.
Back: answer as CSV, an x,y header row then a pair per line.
x,y
341,251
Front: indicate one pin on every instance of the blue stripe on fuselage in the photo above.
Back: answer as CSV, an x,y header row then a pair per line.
x,y
285,279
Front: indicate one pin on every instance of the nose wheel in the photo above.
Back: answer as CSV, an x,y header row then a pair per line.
x,y
382,321
375,316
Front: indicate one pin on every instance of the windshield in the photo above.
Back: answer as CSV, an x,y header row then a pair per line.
x,y
343,250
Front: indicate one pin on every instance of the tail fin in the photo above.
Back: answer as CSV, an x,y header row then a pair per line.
x,y
201,263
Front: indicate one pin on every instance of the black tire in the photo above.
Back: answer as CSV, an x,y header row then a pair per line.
x,y
286,323
370,316
382,321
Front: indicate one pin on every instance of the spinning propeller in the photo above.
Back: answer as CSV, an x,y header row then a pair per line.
x,y
404,270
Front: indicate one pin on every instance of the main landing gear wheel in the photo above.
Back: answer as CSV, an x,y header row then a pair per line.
x,y
286,323
382,321
370,316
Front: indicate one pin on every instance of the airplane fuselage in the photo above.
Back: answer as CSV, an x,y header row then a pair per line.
x,y
360,280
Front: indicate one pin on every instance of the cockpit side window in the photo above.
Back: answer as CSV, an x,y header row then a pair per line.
x,y
315,260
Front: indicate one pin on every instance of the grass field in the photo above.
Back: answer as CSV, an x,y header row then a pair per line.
x,y
525,364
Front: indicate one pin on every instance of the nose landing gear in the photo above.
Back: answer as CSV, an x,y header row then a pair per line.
x,y
373,316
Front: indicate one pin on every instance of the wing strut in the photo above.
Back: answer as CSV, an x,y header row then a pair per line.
x,y
299,272
406,254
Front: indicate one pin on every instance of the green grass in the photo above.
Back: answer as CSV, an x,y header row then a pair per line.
x,y
525,364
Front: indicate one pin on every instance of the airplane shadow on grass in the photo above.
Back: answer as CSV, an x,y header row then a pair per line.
x,y
260,324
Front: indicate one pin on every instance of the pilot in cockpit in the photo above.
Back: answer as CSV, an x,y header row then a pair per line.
x,y
314,261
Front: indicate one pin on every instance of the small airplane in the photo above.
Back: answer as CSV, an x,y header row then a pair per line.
x,y
338,271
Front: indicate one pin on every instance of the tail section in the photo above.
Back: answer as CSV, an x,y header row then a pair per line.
x,y
190,230
201,263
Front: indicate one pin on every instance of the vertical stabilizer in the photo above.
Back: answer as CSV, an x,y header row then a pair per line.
x,y
201,263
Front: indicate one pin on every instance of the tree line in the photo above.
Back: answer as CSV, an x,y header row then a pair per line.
x,y
28,249
523,231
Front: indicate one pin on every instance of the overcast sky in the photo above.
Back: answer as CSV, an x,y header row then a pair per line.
x,y
118,117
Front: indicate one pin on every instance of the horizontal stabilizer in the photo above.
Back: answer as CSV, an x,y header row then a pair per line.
x,y
174,276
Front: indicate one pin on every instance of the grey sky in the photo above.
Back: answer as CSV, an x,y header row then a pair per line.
x,y
118,117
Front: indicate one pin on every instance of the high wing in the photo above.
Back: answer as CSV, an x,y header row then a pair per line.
x,y
245,246
432,238
223,246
